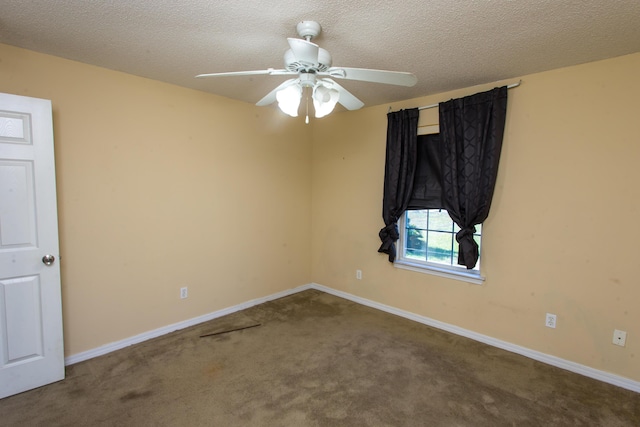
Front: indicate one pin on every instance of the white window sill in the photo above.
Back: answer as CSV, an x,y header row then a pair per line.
x,y
470,276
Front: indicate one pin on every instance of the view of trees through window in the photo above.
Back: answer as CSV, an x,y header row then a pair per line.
x,y
430,235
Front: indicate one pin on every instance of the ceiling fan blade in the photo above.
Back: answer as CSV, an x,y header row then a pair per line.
x,y
347,99
269,71
304,51
271,96
375,76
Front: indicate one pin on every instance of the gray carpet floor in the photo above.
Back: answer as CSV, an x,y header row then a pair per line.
x,y
318,360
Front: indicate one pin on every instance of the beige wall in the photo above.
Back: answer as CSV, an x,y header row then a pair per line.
x,y
161,187
561,236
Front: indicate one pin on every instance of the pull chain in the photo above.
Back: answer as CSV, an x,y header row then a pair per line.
x,y
306,120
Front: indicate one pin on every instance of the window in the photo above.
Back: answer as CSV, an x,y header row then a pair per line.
x,y
428,244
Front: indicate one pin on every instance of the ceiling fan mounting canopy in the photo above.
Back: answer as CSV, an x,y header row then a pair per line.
x,y
308,29
313,67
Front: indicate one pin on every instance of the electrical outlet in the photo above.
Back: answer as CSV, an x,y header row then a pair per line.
x,y
184,292
619,337
550,321
359,274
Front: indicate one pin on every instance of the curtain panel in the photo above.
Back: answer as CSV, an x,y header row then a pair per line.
x,y
400,166
471,133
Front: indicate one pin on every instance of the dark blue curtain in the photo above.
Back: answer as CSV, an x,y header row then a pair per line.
x,y
400,166
471,132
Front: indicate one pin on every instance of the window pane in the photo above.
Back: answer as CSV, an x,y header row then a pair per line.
x,y
440,247
454,256
417,219
416,246
440,220
430,236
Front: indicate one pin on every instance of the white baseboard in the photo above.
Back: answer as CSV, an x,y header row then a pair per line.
x,y
532,354
108,348
577,368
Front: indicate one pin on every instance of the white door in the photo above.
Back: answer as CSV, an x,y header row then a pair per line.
x,y
31,345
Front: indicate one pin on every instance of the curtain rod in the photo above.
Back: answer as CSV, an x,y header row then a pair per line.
x,y
511,86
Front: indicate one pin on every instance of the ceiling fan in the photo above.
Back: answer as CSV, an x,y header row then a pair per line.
x,y
311,65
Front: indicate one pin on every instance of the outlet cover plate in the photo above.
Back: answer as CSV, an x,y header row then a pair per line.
x,y
619,337
550,321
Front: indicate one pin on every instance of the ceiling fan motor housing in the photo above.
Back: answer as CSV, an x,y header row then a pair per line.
x,y
291,63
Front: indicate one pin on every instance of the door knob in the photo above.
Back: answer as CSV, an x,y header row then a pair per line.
x,y
48,259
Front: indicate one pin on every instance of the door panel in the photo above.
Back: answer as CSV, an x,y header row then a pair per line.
x,y
14,127
22,313
31,341
17,205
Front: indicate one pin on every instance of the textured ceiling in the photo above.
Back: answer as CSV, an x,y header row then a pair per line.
x,y
447,44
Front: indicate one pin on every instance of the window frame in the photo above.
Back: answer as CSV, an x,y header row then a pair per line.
x,y
443,270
